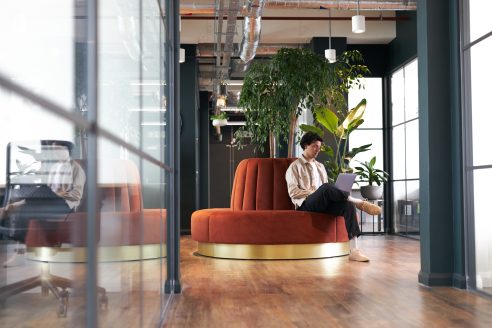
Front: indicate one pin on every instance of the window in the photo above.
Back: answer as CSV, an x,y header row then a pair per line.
x,y
405,150
476,49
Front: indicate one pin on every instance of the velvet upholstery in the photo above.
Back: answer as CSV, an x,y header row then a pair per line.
x,y
261,212
123,220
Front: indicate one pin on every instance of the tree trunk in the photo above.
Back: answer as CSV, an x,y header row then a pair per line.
x,y
292,130
273,145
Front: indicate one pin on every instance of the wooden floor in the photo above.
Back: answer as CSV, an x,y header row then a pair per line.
x,y
321,293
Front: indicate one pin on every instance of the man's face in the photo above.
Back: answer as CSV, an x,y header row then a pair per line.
x,y
313,149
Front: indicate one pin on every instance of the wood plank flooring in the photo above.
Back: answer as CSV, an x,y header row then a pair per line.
x,y
321,293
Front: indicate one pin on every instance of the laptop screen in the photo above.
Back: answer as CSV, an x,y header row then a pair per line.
x,y
345,181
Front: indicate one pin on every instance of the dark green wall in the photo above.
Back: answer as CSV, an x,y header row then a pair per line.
x,y
404,47
189,133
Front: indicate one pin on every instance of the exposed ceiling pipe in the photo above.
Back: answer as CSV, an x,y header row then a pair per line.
x,y
381,5
345,4
251,29
264,49
229,39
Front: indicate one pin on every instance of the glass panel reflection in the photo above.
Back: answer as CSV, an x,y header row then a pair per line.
x,y
482,116
132,234
38,46
480,24
43,219
482,179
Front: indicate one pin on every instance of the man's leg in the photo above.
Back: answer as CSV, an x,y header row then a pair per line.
x,y
326,199
329,199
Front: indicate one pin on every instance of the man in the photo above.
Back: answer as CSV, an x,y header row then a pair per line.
x,y
307,183
60,196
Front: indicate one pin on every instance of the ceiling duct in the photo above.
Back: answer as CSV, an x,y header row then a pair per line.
x,y
380,5
346,4
251,30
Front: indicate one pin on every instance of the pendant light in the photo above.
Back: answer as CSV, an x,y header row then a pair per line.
x,y
358,22
330,53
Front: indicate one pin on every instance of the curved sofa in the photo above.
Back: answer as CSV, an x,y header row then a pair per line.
x,y
262,223
126,230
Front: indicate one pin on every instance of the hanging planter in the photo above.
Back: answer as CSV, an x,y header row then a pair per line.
x,y
219,119
219,122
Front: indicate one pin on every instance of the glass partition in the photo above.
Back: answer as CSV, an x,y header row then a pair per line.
x,y
61,159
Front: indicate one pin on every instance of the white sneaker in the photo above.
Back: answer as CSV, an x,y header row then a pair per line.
x,y
357,255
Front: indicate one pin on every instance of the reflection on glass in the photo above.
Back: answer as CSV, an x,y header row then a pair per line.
x,y
398,153
482,116
119,69
132,231
373,93
38,47
398,97
411,90
482,179
43,225
412,148
480,23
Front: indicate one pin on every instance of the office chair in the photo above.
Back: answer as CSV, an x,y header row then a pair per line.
x,y
32,162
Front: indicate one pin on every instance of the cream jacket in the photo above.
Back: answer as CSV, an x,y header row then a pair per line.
x,y
300,180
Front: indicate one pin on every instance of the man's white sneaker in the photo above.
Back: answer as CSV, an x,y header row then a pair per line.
x,y
357,255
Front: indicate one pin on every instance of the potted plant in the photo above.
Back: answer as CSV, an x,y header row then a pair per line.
x,y
219,119
374,178
339,156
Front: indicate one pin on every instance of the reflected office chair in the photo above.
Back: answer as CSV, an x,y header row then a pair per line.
x,y
28,165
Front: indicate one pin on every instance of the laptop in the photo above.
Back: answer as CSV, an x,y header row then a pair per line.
x,y
345,181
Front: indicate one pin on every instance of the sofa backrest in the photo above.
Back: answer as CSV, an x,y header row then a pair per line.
x,y
259,184
124,192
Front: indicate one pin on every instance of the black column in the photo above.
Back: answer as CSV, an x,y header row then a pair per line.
x,y
189,98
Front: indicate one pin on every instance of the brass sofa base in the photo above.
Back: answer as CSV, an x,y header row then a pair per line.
x,y
105,253
273,252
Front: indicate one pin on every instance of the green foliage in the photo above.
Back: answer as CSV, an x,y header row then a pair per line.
x,y
368,173
348,69
275,92
219,116
339,158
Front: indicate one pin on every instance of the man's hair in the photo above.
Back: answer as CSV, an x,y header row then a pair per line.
x,y
67,144
308,138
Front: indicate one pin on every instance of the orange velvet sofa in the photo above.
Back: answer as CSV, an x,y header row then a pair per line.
x,y
262,222
127,231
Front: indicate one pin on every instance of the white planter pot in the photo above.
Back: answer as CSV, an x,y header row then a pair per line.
x,y
372,192
220,122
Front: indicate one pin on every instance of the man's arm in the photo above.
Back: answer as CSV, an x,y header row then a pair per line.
x,y
77,191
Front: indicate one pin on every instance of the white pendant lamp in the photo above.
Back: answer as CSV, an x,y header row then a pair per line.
x,y
358,22
330,53
182,55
